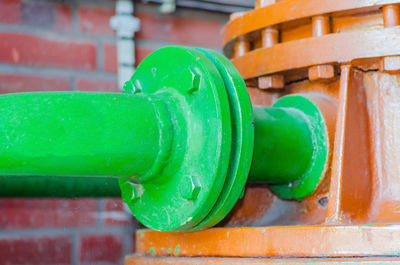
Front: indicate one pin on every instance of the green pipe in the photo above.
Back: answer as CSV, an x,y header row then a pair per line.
x,y
77,134
283,146
58,187
60,136
290,147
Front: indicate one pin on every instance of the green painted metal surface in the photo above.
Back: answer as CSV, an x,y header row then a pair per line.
x,y
290,145
179,141
186,190
283,148
63,136
290,148
308,180
77,134
58,187
242,140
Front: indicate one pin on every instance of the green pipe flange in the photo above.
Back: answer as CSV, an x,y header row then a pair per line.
x,y
212,151
306,184
242,140
186,190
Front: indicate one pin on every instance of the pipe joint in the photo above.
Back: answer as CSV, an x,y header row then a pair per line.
x,y
166,136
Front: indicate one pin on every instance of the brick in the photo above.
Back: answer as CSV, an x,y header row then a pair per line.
x,y
35,250
111,205
33,50
101,248
179,29
114,213
38,14
63,17
46,213
49,15
110,56
95,20
10,11
83,84
11,83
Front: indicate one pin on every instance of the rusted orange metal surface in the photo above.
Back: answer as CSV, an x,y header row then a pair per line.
x,y
285,56
275,241
294,11
137,260
345,56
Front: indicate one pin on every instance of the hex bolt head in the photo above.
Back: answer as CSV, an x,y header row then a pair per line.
x,y
390,64
131,192
132,87
191,80
128,87
190,188
271,82
321,72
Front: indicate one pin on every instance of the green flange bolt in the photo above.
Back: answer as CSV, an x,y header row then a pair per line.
x,y
181,141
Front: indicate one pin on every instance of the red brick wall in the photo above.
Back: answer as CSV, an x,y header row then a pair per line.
x,y
68,45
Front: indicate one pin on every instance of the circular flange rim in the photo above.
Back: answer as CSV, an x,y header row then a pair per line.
x,y
310,180
219,100
242,140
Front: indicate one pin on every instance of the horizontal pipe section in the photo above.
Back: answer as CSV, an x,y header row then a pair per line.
x,y
77,134
58,187
283,146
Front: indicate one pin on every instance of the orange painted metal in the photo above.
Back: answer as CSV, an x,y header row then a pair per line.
x,y
291,10
321,25
270,37
138,260
391,18
242,46
382,101
321,72
391,15
330,48
351,186
345,56
279,241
